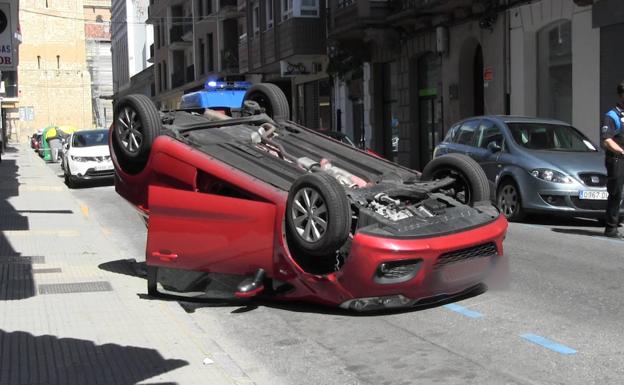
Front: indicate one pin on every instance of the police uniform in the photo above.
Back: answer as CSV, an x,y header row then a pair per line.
x,y
613,128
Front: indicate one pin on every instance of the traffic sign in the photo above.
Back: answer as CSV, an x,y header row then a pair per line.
x,y
8,31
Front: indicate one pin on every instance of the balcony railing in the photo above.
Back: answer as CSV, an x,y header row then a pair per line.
x,y
179,29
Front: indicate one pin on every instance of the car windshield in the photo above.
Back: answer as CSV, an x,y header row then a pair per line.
x,y
552,137
91,138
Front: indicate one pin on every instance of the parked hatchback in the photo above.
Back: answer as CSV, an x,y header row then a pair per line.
x,y
533,165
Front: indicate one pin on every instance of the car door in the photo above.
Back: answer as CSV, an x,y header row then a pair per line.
x,y
209,232
489,146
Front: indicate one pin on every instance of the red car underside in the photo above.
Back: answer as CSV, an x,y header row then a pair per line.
x,y
195,226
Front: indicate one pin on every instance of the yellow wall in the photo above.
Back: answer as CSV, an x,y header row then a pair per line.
x,y
60,92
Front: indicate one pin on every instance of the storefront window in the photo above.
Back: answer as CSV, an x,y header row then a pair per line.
x,y
554,75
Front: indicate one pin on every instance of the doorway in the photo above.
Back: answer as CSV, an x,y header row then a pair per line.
x,y
430,126
471,82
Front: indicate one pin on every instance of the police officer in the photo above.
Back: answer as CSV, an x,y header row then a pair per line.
x,y
612,137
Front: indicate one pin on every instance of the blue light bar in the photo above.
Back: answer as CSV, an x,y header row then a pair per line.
x,y
216,85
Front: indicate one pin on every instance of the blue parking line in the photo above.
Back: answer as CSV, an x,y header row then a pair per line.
x,y
548,344
463,311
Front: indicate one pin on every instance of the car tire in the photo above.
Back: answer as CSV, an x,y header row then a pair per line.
x,y
471,179
271,98
318,215
509,201
152,281
136,125
69,181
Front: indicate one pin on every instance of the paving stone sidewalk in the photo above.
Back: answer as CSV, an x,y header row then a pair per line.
x,y
71,312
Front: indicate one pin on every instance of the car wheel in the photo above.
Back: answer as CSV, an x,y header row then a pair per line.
x,y
471,184
69,181
271,98
318,215
137,123
509,201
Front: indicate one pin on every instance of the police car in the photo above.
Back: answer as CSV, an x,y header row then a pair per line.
x,y
229,97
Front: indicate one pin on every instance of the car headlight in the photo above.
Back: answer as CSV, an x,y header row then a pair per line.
x,y
551,176
81,158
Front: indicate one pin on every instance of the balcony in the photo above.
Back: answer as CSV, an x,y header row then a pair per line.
x,y
229,9
181,34
422,13
349,18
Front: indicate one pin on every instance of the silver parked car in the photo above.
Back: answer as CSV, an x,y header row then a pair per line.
x,y
533,165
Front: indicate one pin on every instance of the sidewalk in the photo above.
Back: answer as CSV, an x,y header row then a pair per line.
x,y
67,316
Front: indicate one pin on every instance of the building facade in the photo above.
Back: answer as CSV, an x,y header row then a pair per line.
x,y
406,70
284,42
97,15
193,41
132,41
54,83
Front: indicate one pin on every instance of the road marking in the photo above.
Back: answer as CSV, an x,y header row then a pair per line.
x,y
548,344
463,311
85,210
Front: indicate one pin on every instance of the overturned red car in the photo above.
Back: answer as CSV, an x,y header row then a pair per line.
x,y
256,205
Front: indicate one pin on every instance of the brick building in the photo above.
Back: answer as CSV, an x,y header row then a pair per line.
x,y
53,79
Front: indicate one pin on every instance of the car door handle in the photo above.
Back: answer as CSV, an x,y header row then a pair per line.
x,y
164,255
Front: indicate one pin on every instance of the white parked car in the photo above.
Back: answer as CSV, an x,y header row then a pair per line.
x,y
86,156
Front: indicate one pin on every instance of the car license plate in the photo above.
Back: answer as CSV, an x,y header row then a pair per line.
x,y
594,195
104,167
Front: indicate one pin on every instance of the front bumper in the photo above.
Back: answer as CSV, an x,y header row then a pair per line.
x,y
91,170
446,269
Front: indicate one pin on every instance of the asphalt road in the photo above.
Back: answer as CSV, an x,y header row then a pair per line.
x,y
560,322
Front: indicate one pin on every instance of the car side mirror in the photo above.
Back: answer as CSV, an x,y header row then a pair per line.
x,y
494,147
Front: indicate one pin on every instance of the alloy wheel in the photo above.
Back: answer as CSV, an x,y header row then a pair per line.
x,y
309,214
508,200
129,130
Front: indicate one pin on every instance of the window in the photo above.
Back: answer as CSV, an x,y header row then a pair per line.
x,y
157,36
210,52
451,134
554,72
202,56
200,8
38,62
287,9
268,8
58,62
309,8
466,133
489,133
256,18
552,137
